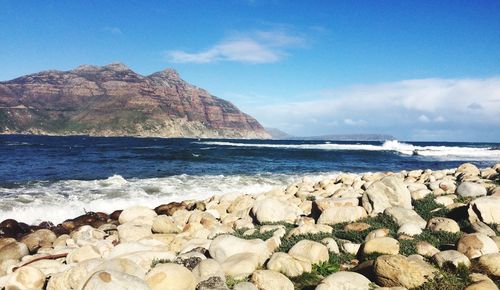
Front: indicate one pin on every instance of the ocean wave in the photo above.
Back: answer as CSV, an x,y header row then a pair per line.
x,y
448,152
35,202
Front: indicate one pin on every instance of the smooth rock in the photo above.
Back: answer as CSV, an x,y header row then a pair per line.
x,y
288,265
311,251
39,238
137,212
409,229
113,280
378,233
475,245
225,246
451,257
397,270
345,281
383,245
130,232
84,253
208,268
170,277
25,278
13,251
426,249
470,189
331,244
240,265
164,224
485,209
390,191
491,263
270,280
336,215
274,210
310,229
443,224
245,286
404,216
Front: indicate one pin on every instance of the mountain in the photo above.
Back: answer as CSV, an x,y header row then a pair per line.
x,y
278,134
113,100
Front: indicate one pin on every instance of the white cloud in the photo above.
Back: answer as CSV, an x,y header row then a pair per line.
x,y
349,121
398,107
257,47
113,30
424,119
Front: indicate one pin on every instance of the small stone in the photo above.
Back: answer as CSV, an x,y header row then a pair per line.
x,y
436,224
170,276
311,251
208,268
383,245
336,215
471,189
378,233
451,257
426,249
137,212
331,244
409,229
345,281
270,280
356,227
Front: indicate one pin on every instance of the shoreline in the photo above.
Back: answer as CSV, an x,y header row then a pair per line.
x,y
346,231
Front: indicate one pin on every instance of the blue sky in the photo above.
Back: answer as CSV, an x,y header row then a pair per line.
x,y
419,70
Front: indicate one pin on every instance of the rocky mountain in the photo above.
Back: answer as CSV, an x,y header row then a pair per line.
x,y
113,100
278,134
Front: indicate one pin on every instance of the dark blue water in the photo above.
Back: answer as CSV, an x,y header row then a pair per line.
x,y
43,158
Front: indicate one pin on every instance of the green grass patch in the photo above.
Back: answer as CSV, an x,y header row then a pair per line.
x,y
449,279
310,280
231,282
426,208
288,243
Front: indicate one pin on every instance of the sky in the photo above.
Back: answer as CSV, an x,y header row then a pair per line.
x,y
418,70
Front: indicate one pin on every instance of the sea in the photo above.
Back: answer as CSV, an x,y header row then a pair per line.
x,y
48,178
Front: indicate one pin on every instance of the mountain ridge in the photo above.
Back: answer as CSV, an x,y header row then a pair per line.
x,y
113,100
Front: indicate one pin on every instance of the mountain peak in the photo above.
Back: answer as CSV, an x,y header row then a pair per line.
x,y
168,73
117,66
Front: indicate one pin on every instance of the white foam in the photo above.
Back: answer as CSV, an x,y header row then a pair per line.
x,y
61,200
443,152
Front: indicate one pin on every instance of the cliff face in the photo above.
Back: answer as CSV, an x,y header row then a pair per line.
x,y
115,101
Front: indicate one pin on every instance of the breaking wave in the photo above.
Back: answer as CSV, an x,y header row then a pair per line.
x,y
35,202
391,145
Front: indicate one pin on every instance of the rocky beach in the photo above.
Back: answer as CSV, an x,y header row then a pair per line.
x,y
419,229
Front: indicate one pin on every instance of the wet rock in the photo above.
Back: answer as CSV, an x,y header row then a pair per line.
x,y
39,238
170,209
